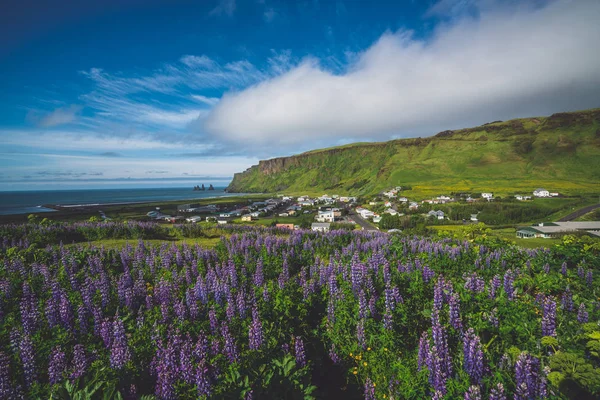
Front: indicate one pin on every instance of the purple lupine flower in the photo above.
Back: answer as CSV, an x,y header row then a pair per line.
x,y
580,271
29,312
255,333
80,362
51,311
373,305
440,342
241,304
497,393
582,315
360,333
549,317
6,389
331,311
299,351
566,300
201,349
106,328
387,319
589,278
438,293
423,350
473,393
82,316
165,362
505,362
473,356
230,348
547,268
494,286
437,371
455,320
509,288
259,278
186,368
369,389
15,340
203,381
119,351
335,358
212,318
66,312
474,283
27,355
529,383
563,268
57,366
428,274
362,305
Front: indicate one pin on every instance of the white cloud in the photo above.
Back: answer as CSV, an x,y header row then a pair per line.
x,y
506,62
269,14
211,101
224,7
91,141
60,116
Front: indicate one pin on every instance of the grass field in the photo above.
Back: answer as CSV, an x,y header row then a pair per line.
x,y
504,233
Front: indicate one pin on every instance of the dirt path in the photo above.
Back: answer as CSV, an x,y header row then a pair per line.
x,y
579,213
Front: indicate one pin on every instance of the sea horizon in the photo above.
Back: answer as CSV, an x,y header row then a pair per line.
x,y
31,201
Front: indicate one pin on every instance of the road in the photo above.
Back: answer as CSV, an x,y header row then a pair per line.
x,y
362,222
579,213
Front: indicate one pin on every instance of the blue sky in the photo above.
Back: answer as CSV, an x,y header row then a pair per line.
x,y
175,93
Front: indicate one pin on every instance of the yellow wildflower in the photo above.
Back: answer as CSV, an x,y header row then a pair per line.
x,y
368,349
355,372
365,364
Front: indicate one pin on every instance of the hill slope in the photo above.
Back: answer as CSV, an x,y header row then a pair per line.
x,y
560,153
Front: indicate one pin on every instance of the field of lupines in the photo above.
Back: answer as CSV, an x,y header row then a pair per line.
x,y
278,314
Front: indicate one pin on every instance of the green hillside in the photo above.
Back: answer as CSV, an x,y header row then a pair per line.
x,y
560,153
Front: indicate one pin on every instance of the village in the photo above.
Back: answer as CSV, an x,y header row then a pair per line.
x,y
389,211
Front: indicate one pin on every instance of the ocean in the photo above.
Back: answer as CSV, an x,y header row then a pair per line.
x,y
25,202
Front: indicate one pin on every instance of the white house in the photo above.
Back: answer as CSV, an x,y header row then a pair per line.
x,y
437,214
376,218
402,199
326,216
391,211
540,192
413,205
320,226
554,194
387,204
363,212
474,218
487,196
194,219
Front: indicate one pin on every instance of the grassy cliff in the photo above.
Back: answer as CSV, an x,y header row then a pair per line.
x,y
560,153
